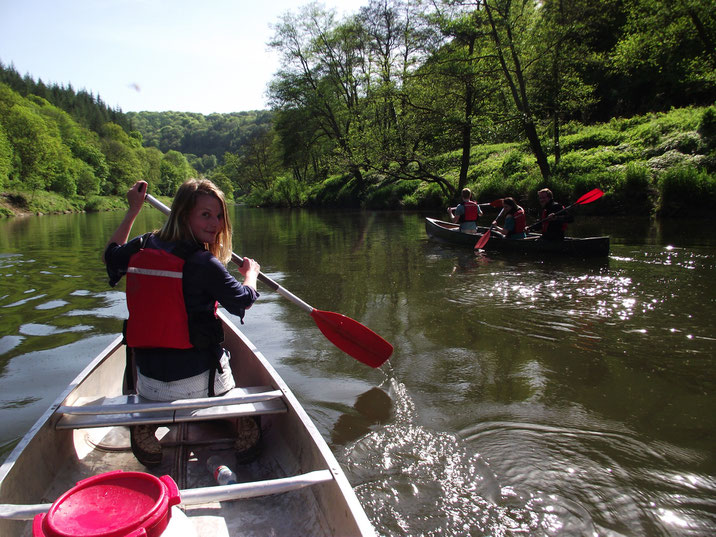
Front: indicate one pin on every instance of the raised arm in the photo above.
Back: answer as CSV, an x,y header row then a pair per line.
x,y
135,197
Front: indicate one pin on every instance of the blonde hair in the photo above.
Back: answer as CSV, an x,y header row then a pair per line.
x,y
176,228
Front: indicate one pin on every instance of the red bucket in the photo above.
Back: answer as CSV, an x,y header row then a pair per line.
x,y
115,504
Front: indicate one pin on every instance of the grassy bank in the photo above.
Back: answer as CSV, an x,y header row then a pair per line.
x,y
22,203
660,164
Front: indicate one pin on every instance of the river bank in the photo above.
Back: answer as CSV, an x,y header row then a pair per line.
x,y
17,203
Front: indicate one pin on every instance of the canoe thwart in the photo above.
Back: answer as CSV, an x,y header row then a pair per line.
x,y
202,495
134,410
254,489
115,405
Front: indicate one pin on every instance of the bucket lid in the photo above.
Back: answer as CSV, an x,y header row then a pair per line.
x,y
114,504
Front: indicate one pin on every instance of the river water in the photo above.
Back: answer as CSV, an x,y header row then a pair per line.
x,y
524,397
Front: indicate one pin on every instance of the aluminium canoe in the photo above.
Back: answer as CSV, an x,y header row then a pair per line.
x,y
574,246
82,435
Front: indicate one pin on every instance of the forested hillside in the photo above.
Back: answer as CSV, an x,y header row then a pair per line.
x,y
44,148
204,140
405,103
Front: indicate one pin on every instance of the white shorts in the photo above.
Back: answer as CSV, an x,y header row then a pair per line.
x,y
188,388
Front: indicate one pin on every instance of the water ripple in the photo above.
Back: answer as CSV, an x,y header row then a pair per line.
x,y
431,483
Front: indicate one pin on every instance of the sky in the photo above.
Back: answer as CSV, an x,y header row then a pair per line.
x,y
200,56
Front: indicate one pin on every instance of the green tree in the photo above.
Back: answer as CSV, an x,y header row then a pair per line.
x,y
86,147
6,158
512,23
31,144
87,182
668,49
320,74
224,183
151,159
125,167
451,92
559,91
174,170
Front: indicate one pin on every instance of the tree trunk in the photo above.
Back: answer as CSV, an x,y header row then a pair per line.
x,y
467,124
519,89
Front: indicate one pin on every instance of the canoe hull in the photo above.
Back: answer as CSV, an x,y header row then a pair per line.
x,y
48,461
572,246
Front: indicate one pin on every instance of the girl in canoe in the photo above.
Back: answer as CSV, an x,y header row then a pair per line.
x,y
176,277
515,221
466,212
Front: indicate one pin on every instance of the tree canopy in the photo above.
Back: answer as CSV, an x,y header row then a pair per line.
x,y
400,95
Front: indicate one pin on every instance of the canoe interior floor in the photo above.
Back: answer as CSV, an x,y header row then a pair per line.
x,y
290,513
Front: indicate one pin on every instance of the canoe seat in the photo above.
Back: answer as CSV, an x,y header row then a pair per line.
x,y
89,412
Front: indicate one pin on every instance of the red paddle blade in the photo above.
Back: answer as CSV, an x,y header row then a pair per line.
x,y
353,338
482,241
497,204
589,197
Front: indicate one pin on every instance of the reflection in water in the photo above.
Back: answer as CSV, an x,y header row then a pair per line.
x,y
371,408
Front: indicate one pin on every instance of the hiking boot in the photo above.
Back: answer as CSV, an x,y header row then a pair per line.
x,y
145,446
248,439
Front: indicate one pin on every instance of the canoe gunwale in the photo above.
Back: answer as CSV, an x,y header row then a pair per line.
x,y
450,233
318,471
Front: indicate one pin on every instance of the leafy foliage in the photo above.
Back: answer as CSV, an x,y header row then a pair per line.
x,y
43,148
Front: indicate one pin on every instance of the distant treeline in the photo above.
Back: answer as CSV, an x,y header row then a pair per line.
x,y
85,108
204,140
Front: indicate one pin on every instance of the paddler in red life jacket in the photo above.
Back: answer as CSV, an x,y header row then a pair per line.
x,y
466,212
515,220
553,225
175,278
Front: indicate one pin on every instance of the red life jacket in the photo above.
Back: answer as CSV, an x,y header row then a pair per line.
x,y
520,222
155,299
547,223
471,212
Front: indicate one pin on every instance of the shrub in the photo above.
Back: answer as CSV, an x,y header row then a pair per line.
x,y
591,137
684,190
288,192
63,183
707,126
490,187
87,183
336,191
683,142
670,159
647,135
513,163
390,196
426,196
633,190
93,204
525,189
636,179
602,179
